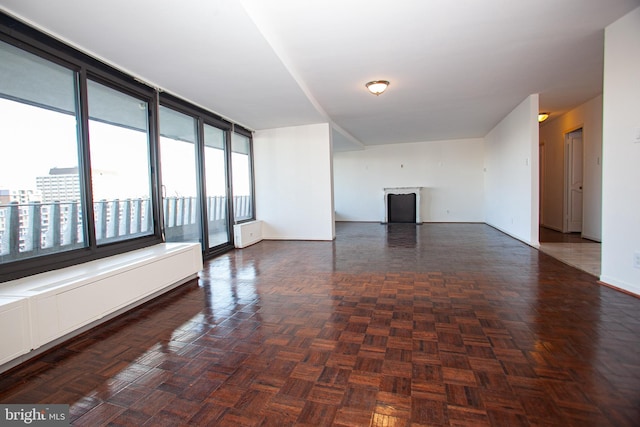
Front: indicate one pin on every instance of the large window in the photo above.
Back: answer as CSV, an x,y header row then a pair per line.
x,y
196,184
180,195
120,169
76,153
241,177
40,186
215,167
81,145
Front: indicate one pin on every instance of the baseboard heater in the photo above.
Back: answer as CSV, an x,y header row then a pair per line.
x,y
247,233
40,311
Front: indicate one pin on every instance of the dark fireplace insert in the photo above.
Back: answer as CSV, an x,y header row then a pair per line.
x,y
401,207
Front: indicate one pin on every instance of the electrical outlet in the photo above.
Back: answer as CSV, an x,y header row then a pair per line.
x,y
636,259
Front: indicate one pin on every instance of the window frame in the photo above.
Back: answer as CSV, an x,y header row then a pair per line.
x,y
153,137
249,135
170,104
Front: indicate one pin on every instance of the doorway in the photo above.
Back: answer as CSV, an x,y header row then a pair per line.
x,y
570,190
195,180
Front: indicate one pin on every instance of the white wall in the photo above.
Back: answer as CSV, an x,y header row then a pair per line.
x,y
587,116
294,182
511,178
621,153
450,171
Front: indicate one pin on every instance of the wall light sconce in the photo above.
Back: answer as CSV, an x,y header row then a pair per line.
x,y
376,87
542,117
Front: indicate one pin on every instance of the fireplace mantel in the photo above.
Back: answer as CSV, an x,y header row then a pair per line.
x,y
402,190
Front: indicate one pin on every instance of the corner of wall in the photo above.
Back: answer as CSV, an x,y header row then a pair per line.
x,y
621,154
294,190
511,177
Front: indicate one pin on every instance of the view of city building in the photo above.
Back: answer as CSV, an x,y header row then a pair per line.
x,y
34,208
62,184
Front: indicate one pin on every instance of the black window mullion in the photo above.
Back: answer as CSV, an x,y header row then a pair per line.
x,y
155,172
85,160
202,186
228,170
252,182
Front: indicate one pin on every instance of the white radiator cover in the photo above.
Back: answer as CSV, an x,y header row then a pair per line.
x,y
38,311
14,324
247,233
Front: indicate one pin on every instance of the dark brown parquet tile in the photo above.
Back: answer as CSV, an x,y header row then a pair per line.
x,y
396,325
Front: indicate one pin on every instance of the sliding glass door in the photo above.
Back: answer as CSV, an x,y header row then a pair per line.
x,y
180,195
194,159
217,188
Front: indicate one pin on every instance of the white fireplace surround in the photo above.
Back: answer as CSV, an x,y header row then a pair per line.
x,y
402,190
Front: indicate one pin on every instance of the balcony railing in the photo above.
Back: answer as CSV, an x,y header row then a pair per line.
x,y
34,229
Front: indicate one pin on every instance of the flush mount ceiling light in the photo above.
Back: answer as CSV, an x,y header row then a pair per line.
x,y
542,117
376,87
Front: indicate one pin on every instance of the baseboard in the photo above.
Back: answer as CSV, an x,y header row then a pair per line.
x,y
625,288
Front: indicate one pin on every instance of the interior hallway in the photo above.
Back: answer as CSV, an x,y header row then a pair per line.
x,y
438,324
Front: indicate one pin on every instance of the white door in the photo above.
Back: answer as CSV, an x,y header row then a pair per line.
x,y
574,182
542,176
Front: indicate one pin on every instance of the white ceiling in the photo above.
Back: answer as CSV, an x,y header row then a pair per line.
x,y
456,67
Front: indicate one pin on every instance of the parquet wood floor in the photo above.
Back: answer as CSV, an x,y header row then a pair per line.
x,y
389,325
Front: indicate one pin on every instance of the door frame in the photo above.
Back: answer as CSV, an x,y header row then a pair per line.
x,y
203,117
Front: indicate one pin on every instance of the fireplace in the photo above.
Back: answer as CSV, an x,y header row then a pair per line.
x,y
402,204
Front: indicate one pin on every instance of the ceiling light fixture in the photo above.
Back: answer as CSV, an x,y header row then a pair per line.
x,y
542,117
376,87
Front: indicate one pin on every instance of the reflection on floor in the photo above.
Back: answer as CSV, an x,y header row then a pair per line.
x,y
571,249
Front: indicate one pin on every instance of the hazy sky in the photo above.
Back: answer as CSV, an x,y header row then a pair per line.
x,y
34,140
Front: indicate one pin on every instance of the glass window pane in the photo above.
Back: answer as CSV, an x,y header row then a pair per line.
x,y
40,208
120,172
216,183
241,177
181,204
